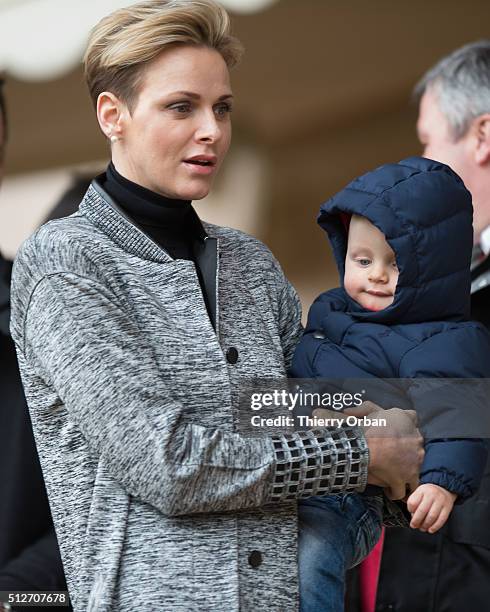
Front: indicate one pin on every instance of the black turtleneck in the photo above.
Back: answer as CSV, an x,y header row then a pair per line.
x,y
172,224
5,274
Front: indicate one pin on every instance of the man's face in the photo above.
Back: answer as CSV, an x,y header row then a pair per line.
x,y
435,136
434,133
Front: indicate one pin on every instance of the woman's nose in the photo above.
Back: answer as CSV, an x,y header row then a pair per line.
x,y
209,129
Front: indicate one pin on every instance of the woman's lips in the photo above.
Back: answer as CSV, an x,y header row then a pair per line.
x,y
201,164
199,169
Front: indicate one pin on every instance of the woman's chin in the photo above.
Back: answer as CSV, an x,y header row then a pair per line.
x,y
199,195
193,192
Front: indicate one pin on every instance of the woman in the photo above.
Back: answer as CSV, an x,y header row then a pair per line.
x,y
136,324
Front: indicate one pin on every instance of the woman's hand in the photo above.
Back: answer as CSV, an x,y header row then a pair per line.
x,y
395,449
430,505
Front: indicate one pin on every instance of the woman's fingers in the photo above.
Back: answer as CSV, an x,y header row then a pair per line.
x,y
413,485
413,415
323,413
395,454
365,409
396,490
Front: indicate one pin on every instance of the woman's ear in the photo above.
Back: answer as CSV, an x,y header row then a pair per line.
x,y
110,111
482,134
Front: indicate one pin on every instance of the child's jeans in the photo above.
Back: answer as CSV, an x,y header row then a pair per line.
x,y
336,532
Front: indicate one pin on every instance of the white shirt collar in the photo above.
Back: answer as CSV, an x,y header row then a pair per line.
x,y
485,240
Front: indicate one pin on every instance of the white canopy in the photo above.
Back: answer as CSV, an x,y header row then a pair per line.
x,y
44,39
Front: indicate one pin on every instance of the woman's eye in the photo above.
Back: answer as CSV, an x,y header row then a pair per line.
x,y
181,108
222,110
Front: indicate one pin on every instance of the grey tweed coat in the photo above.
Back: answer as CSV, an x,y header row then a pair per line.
x,y
159,503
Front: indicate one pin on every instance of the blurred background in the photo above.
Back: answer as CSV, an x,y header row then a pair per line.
x,y
322,95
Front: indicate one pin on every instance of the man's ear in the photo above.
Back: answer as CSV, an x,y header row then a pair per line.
x,y
110,114
482,134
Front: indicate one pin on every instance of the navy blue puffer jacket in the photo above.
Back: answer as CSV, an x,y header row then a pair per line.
x,y
425,213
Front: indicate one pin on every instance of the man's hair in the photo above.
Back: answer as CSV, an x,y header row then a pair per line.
x,y
461,84
124,42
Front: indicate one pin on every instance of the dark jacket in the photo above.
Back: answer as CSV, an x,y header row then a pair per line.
x,y
29,555
449,570
425,213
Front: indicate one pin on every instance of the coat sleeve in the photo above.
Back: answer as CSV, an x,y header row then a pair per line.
x,y
289,314
454,458
84,346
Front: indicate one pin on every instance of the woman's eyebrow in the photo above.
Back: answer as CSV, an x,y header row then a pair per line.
x,y
189,94
196,96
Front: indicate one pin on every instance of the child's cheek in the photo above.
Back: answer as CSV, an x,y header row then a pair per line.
x,y
350,286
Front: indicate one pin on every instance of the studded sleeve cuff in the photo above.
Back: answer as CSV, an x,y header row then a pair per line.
x,y
319,462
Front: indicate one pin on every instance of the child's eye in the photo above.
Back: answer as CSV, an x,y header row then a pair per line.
x,y
393,263
364,262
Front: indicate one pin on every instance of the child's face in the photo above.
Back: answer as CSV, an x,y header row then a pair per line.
x,y
371,272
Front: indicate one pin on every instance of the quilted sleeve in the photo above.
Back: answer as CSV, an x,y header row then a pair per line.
x,y
452,415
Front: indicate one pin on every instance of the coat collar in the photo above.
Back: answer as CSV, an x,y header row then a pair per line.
x,y
98,206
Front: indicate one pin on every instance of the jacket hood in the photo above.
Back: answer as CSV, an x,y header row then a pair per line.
x,y
425,212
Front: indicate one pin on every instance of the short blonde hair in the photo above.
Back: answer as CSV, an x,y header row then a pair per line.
x,y
125,41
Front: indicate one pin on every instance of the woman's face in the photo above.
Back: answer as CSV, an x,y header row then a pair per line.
x,y
177,135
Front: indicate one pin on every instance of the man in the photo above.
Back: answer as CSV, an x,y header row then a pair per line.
x,y
29,555
450,571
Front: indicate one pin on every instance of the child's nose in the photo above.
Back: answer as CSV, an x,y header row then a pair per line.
x,y
378,274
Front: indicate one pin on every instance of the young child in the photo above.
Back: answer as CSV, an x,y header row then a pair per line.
x,y
402,239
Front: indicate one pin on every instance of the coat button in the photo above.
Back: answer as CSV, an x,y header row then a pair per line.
x,y
232,355
319,335
255,558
